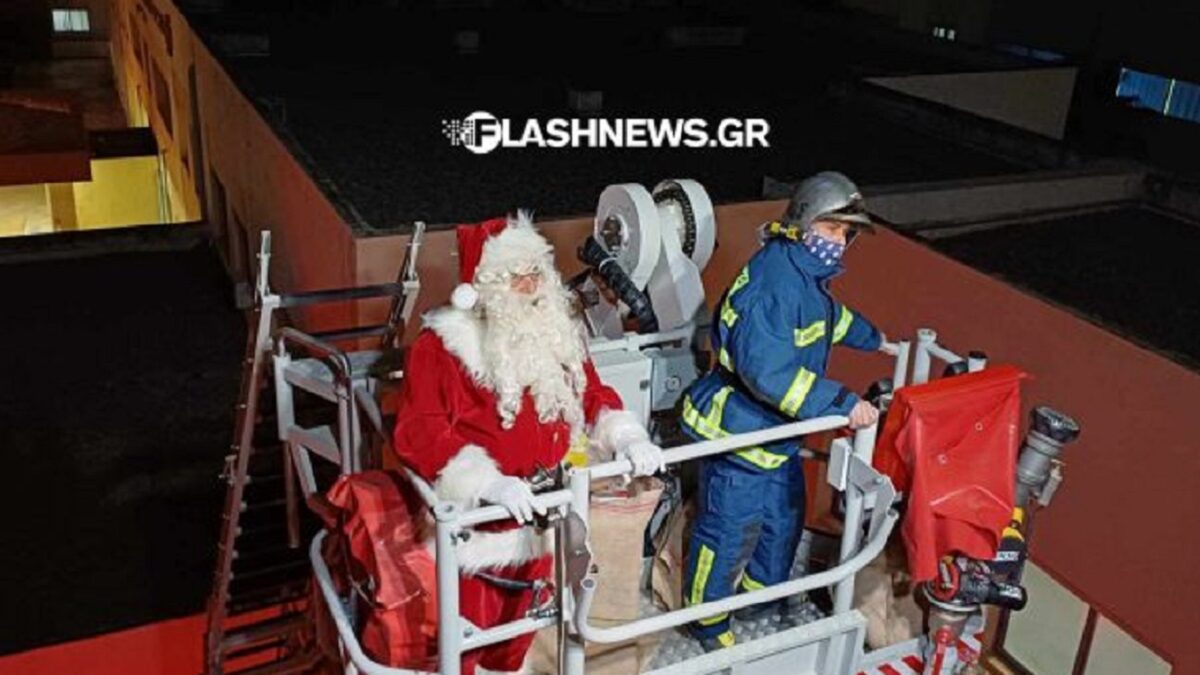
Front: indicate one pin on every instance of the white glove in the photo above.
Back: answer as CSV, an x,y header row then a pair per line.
x,y
646,457
514,495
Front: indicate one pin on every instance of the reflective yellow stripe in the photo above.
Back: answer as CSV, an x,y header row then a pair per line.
x,y
843,324
713,620
762,458
807,336
703,569
750,584
728,315
724,359
742,279
796,393
708,426
727,639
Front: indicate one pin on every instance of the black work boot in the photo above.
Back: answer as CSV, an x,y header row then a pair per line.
x,y
713,643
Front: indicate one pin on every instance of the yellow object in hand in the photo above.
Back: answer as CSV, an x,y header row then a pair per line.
x,y
577,455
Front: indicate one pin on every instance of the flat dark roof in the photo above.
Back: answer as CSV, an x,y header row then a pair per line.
x,y
367,120
1131,270
129,364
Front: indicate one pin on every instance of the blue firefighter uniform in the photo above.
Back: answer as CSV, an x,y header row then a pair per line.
x,y
772,332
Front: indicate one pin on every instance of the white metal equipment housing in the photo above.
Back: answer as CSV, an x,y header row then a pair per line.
x,y
662,241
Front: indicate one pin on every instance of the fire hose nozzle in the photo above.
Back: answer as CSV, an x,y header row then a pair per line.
x,y
1049,432
1055,425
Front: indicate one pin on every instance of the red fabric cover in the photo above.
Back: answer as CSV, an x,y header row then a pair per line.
x,y
441,409
485,604
382,523
470,245
951,444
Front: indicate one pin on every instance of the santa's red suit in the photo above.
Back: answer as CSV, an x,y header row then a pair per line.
x,y
456,428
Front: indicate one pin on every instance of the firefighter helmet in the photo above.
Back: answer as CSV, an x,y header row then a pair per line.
x,y
828,195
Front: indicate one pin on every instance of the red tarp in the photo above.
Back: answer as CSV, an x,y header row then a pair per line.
x,y
951,445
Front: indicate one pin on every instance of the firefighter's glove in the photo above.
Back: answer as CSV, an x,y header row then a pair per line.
x,y
646,457
514,495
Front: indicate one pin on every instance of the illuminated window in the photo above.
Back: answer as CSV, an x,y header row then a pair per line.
x,y
1044,637
1060,634
1115,652
71,21
1029,52
1165,95
944,33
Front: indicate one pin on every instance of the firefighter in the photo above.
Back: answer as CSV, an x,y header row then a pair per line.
x,y
773,332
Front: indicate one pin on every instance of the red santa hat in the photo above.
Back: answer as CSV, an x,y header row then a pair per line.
x,y
494,247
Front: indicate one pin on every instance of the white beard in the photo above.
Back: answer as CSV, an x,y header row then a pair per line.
x,y
532,342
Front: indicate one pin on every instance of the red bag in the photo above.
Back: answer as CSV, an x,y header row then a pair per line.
x,y
382,527
951,444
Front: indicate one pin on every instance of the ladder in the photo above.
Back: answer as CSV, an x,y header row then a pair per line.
x,y
256,609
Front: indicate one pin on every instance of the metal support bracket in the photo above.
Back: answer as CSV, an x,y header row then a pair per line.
x,y
840,452
1046,494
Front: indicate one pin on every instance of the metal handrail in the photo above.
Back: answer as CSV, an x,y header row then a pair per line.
x,y
698,450
679,455
733,603
456,636
362,662
402,310
337,360
329,295
452,521
352,333
835,575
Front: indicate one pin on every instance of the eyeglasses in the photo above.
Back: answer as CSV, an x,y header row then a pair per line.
x,y
522,272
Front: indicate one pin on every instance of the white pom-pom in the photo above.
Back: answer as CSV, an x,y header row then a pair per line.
x,y
464,296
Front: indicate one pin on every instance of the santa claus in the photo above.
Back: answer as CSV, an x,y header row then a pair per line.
x,y
497,386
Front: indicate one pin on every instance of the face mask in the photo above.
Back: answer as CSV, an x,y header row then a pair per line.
x,y
828,252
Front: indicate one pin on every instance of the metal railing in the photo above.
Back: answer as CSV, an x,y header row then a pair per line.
x,y
348,429
456,635
929,349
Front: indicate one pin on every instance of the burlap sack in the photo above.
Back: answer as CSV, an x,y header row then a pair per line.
x,y
670,549
616,526
883,592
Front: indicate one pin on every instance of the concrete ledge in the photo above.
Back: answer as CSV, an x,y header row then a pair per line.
x,y
918,206
89,243
969,129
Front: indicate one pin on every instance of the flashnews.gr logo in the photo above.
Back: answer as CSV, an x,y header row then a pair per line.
x,y
481,132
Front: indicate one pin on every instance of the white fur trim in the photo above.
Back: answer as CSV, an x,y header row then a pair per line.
x,y
464,296
517,245
465,476
462,334
490,550
615,429
461,481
